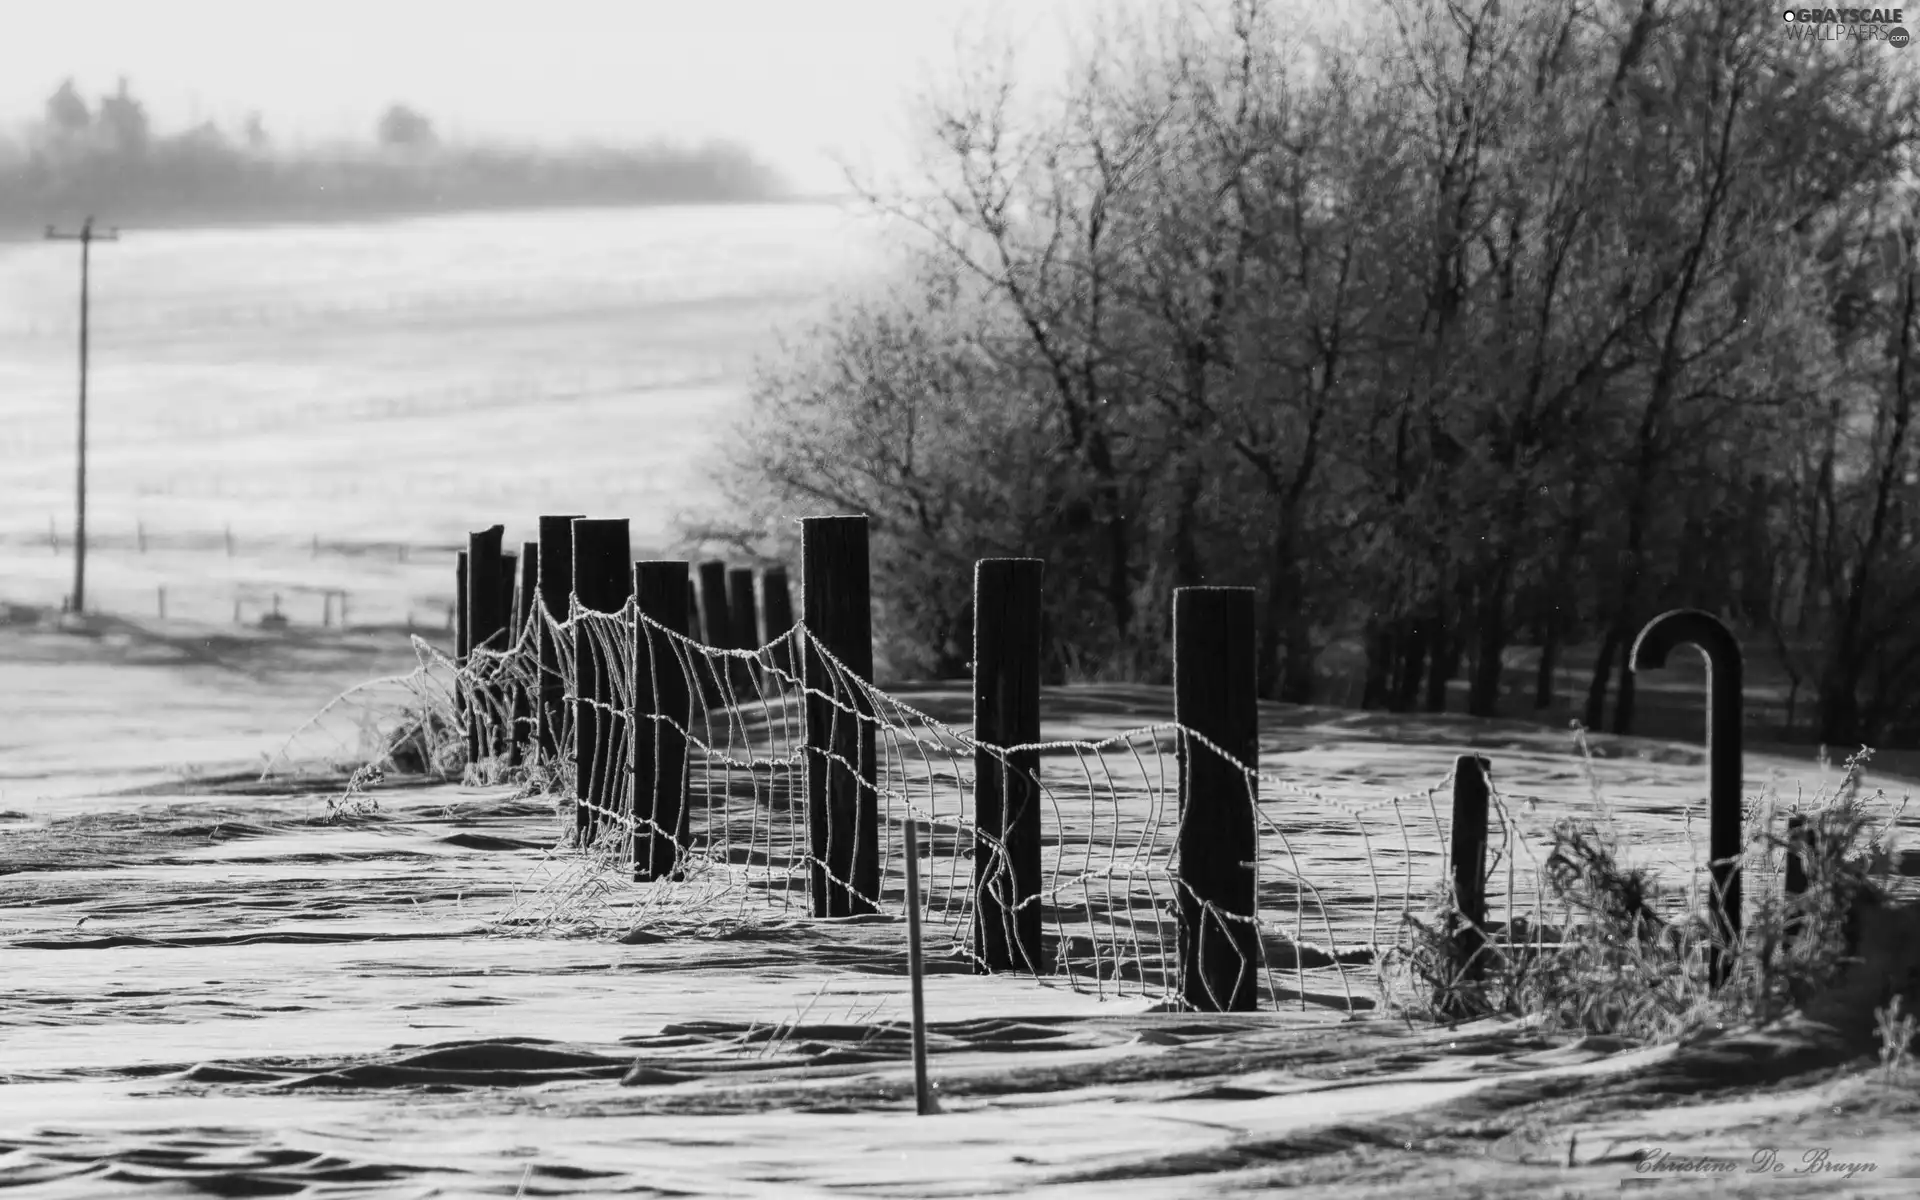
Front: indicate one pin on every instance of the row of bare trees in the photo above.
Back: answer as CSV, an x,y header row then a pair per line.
x,y
1496,326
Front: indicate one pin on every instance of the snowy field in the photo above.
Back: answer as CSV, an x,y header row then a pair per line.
x,y
279,410
215,988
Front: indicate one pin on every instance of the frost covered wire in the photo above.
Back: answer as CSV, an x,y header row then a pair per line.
x,y
1335,876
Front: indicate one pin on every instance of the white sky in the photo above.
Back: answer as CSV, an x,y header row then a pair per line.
x,y
794,79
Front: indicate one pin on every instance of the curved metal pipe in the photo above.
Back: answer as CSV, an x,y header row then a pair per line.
x,y
1706,632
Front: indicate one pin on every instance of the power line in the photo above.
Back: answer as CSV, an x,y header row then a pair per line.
x,y
86,237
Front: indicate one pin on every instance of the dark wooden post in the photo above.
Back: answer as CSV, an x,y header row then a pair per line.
x,y
843,821
509,598
716,628
742,617
503,687
1006,712
694,630
460,685
777,604
1469,854
602,583
713,603
1214,697
524,724
486,621
1799,849
1691,626
742,627
555,564
662,711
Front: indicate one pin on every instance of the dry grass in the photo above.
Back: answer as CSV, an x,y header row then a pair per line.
x,y
1633,954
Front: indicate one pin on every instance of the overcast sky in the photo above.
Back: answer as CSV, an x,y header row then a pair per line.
x,y
792,78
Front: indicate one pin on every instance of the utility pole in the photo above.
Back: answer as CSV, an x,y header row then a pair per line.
x,y
86,237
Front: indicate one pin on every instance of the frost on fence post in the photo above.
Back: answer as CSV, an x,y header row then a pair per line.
x,y
777,617
661,714
843,823
1006,712
1214,699
460,647
602,583
485,619
524,725
1469,855
555,561
716,630
503,688
742,626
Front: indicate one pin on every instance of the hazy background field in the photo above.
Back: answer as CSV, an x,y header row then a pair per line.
x,y
369,384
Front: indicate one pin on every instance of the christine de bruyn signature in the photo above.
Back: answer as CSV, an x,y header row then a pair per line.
x,y
1767,1160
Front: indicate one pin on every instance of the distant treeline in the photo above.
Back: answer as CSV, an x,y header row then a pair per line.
x,y
106,160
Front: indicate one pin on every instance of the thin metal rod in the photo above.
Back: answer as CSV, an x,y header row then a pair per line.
x,y
922,1094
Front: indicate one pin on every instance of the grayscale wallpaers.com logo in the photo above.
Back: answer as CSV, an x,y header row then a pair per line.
x,y
1838,24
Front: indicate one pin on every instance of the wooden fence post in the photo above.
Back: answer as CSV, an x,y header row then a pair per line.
x,y
524,730
509,598
461,716
694,630
602,582
1214,697
718,631
1007,797
1469,855
555,564
777,604
486,621
662,711
843,822
742,627
504,688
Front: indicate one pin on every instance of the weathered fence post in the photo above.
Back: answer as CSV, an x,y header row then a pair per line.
x,y
504,688
1214,698
555,564
509,598
1691,626
843,821
662,711
777,618
743,628
460,644
718,631
602,583
486,621
1799,848
1469,855
1006,712
524,694
694,629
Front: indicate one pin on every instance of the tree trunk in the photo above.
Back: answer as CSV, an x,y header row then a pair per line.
x,y
1490,642
1296,683
1596,712
1623,707
1414,639
1543,680
1280,611
1380,646
1444,660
